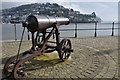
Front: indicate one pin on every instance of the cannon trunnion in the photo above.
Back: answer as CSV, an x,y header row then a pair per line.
x,y
40,43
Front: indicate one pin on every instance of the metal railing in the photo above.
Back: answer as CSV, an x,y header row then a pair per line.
x,y
95,29
76,30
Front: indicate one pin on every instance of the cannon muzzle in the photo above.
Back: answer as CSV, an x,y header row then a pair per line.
x,y
40,23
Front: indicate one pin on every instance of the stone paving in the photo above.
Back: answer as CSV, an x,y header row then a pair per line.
x,y
92,58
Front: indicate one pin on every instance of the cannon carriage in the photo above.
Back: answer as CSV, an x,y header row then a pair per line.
x,y
38,26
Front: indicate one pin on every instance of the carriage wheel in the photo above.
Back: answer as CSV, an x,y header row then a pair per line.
x,y
8,67
65,48
20,68
23,66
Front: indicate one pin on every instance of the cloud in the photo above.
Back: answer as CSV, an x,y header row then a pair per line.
x,y
60,1
108,11
77,8
70,5
12,4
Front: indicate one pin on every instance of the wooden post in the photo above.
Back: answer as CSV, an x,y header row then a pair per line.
x,y
112,29
95,35
75,30
15,32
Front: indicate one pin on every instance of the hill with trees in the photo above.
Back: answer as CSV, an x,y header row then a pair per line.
x,y
18,14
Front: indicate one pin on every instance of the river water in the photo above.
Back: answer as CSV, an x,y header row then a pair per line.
x,y
8,30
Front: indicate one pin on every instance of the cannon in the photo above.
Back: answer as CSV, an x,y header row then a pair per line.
x,y
38,26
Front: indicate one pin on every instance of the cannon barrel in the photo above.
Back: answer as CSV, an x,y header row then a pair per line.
x,y
39,23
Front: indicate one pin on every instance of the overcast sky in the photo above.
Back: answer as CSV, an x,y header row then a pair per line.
x,y
107,11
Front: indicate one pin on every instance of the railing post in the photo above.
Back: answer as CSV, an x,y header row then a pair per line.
x,y
112,29
28,35
53,36
15,32
95,35
75,30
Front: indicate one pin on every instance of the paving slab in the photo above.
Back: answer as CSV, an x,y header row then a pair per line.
x,y
92,58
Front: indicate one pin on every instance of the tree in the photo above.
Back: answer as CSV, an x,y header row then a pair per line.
x,y
94,15
71,10
55,4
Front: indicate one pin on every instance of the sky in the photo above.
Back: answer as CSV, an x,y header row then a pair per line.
x,y
106,10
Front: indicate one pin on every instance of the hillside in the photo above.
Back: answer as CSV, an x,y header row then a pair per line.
x,y
19,13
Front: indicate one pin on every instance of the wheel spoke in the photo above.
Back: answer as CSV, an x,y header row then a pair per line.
x,y
68,54
65,46
65,55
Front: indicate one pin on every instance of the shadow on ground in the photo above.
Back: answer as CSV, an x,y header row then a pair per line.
x,y
104,52
40,62
3,60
